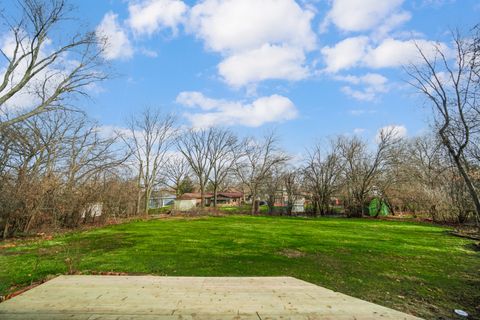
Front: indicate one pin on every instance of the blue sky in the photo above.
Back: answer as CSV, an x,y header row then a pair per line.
x,y
309,69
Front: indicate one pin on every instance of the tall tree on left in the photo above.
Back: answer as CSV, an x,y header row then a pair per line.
x,y
42,66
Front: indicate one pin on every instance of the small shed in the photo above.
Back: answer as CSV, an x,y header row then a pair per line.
x,y
299,206
378,207
185,204
188,201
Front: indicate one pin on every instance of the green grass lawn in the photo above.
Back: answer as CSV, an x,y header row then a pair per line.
x,y
416,268
243,209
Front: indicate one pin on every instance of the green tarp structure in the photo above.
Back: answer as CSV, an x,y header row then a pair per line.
x,y
373,208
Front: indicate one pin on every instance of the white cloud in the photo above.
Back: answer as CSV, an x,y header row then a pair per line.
x,y
395,53
396,131
361,15
150,16
390,53
362,95
391,23
233,26
358,131
259,40
373,79
379,49
371,84
263,110
345,54
195,99
117,44
267,62
148,53
359,112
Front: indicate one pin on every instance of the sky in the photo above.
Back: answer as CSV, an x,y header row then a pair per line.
x,y
309,69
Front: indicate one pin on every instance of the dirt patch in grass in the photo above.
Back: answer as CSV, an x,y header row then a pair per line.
x,y
292,253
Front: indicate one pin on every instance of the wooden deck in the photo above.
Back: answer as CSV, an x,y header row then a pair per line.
x,y
150,297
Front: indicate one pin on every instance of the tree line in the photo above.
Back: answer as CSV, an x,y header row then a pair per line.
x,y
56,164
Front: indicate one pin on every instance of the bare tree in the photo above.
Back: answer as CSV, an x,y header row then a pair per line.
x,y
322,174
452,87
257,160
56,165
424,169
475,51
174,173
361,168
423,179
151,134
273,186
390,177
291,181
195,146
223,153
88,156
45,76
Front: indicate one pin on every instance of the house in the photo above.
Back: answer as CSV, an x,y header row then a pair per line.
x,y
226,198
191,200
299,200
335,202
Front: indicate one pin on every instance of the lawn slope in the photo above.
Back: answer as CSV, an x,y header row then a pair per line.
x,y
415,268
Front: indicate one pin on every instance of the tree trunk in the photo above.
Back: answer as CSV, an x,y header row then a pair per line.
x,y
148,194
139,194
139,200
29,223
202,196
271,203
5,229
215,196
469,184
254,205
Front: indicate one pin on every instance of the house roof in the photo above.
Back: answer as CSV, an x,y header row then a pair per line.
x,y
193,196
197,195
230,194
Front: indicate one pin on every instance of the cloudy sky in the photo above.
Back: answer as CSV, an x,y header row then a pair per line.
x,y
308,68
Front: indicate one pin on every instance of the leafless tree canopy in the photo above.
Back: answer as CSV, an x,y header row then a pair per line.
x,y
451,85
195,146
175,171
362,168
322,175
55,166
223,153
151,135
48,75
256,163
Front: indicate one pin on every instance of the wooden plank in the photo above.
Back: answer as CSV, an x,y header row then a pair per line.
x,y
151,297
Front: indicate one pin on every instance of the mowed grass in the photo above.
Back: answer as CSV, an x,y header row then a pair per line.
x,y
415,268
